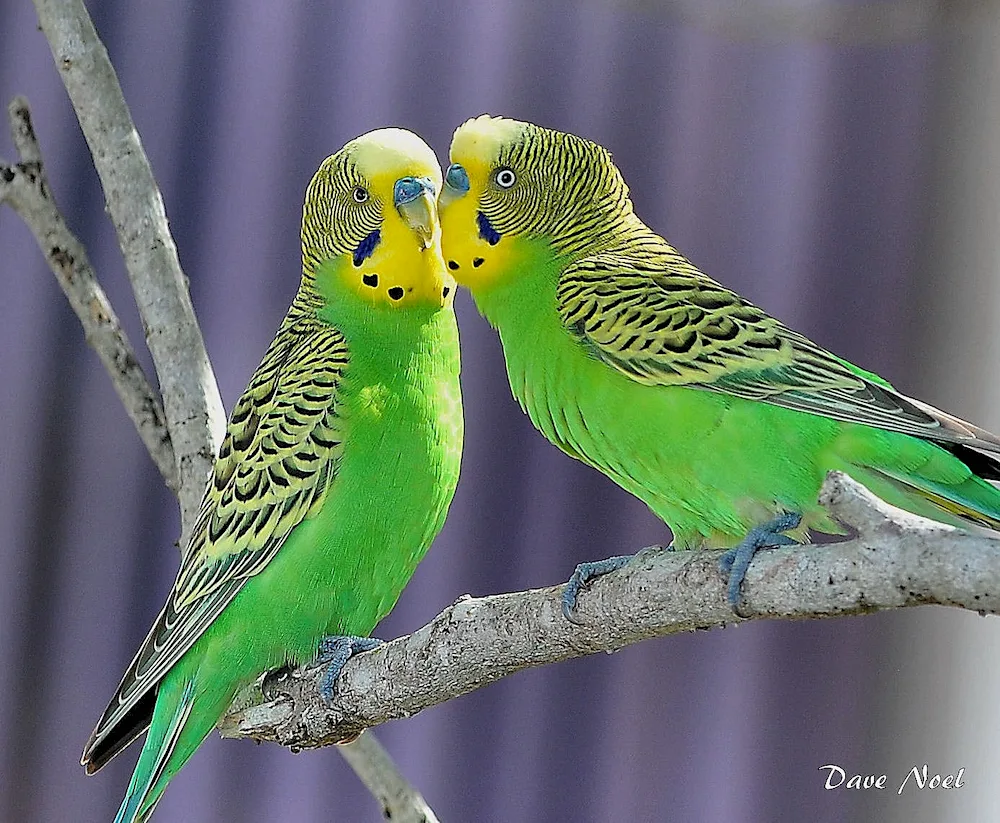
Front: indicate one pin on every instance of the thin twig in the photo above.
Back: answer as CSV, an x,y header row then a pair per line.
x,y
896,560
25,188
401,803
191,400
192,405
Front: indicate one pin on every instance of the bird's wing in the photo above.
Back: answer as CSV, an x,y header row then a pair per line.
x,y
277,461
657,319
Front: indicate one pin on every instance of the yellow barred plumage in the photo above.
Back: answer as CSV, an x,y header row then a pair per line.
x,y
373,276
653,316
333,224
283,428
663,322
556,194
635,302
275,463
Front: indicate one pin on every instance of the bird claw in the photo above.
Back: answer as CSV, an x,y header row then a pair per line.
x,y
334,652
581,578
735,562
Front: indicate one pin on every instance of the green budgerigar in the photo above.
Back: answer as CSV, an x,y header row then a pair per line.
x,y
335,474
627,357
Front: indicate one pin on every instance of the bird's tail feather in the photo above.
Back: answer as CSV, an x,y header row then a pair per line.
x,y
972,501
147,784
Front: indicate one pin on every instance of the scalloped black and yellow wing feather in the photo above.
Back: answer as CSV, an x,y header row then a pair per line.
x,y
336,471
275,464
627,357
649,313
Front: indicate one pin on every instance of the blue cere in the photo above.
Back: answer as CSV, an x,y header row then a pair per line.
x,y
408,189
457,178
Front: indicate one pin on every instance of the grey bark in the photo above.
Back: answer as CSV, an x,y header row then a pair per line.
x,y
400,802
25,188
896,560
183,434
191,401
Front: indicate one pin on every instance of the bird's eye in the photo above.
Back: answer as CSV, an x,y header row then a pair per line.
x,y
359,194
505,178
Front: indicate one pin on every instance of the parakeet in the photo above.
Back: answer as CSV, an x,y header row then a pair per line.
x,y
627,357
336,472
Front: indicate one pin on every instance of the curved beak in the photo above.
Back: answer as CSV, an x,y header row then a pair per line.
x,y
416,203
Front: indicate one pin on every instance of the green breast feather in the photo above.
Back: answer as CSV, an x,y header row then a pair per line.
x,y
335,474
629,358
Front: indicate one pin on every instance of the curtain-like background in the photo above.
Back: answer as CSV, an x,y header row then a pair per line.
x,y
832,171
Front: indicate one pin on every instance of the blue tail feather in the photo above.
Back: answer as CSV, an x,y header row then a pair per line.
x,y
146,788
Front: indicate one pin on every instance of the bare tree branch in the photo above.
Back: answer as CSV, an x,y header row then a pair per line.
x,y
401,803
191,400
25,188
183,434
896,560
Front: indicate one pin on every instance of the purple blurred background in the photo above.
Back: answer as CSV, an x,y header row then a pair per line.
x,y
833,161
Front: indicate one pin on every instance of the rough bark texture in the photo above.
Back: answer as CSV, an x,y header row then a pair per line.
x,y
183,434
25,188
400,802
191,401
895,560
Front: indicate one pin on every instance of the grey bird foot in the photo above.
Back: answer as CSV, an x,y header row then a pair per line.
x,y
334,652
736,560
586,572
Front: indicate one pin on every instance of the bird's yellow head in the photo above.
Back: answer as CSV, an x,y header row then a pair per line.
x,y
370,223
510,180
